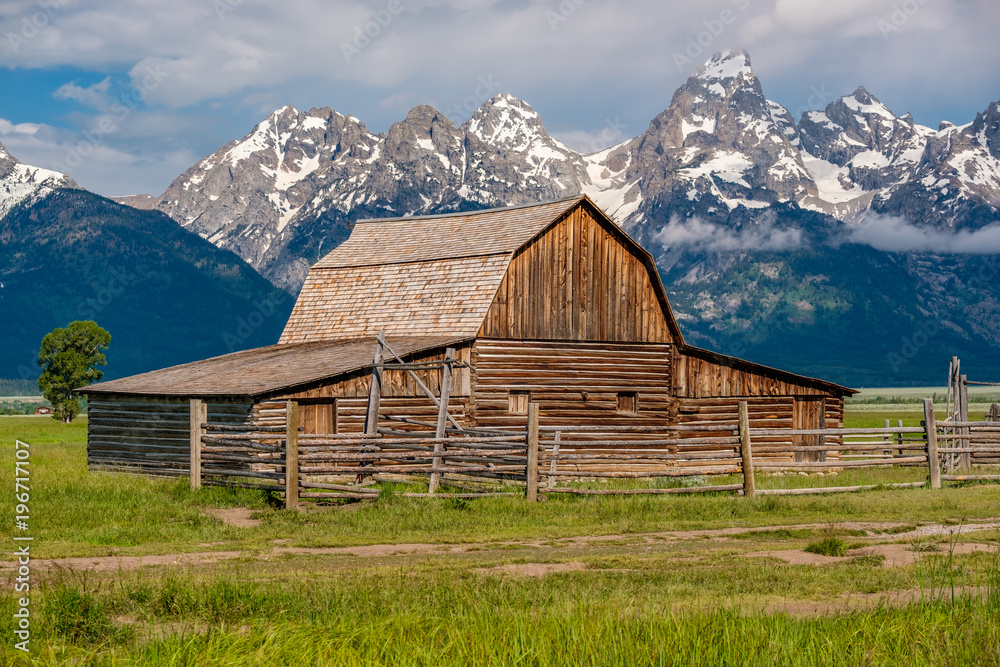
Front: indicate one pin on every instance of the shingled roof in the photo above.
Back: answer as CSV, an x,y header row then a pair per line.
x,y
428,275
264,370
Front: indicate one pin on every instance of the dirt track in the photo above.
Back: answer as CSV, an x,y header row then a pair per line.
x,y
895,554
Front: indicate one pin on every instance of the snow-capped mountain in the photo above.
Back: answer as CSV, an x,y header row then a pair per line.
x,y
284,194
956,183
720,138
19,182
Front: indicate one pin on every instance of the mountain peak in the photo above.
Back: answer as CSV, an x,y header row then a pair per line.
x,y
424,113
287,110
505,119
725,66
864,103
507,103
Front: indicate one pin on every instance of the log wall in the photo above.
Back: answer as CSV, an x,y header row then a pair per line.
x,y
769,412
578,281
574,383
149,435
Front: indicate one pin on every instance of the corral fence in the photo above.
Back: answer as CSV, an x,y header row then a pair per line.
x,y
539,460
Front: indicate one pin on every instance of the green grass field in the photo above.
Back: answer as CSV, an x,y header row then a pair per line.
x,y
568,581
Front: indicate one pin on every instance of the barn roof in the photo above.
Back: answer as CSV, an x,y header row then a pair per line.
x,y
429,275
495,231
264,370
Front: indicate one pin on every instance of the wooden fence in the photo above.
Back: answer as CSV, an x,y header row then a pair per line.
x,y
567,460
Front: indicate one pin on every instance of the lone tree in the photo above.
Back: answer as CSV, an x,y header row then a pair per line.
x,y
69,358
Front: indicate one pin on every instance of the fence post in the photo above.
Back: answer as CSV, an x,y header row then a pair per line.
x,y
291,455
749,483
531,472
930,428
199,415
964,459
442,422
553,465
375,389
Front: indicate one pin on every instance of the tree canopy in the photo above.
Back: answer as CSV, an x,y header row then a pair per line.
x,y
70,358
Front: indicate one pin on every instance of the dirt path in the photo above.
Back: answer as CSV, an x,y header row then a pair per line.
x,y
895,554
234,516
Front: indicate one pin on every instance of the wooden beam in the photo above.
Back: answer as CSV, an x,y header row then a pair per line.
x,y
199,416
418,381
531,472
555,458
375,389
965,460
933,464
442,420
749,483
291,455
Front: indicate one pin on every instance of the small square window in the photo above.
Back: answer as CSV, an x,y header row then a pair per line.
x,y
517,402
628,403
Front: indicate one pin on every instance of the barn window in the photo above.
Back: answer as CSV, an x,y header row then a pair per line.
x,y
628,403
517,402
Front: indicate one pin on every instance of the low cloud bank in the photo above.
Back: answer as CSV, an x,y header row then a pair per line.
x,y
704,235
885,233
894,234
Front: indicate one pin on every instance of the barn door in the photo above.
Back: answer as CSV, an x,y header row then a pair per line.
x,y
809,413
319,416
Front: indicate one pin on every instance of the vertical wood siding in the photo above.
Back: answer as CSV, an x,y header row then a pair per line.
x,y
578,281
696,377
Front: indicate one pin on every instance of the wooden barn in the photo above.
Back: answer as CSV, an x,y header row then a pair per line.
x,y
550,303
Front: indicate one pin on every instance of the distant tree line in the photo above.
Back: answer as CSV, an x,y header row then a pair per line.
x,y
19,387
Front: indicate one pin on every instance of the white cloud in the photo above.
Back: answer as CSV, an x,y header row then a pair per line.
x,y
813,15
8,128
698,234
103,166
94,96
261,54
894,234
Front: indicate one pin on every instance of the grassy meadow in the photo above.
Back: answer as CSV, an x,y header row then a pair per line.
x,y
140,571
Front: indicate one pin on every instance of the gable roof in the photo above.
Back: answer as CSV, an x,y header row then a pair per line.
x,y
495,231
264,370
430,275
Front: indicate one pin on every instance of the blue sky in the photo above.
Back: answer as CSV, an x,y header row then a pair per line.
x,y
147,89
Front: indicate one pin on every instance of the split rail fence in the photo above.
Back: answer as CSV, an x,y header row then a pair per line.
x,y
569,460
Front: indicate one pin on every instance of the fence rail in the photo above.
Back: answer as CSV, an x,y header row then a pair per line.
x,y
559,459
